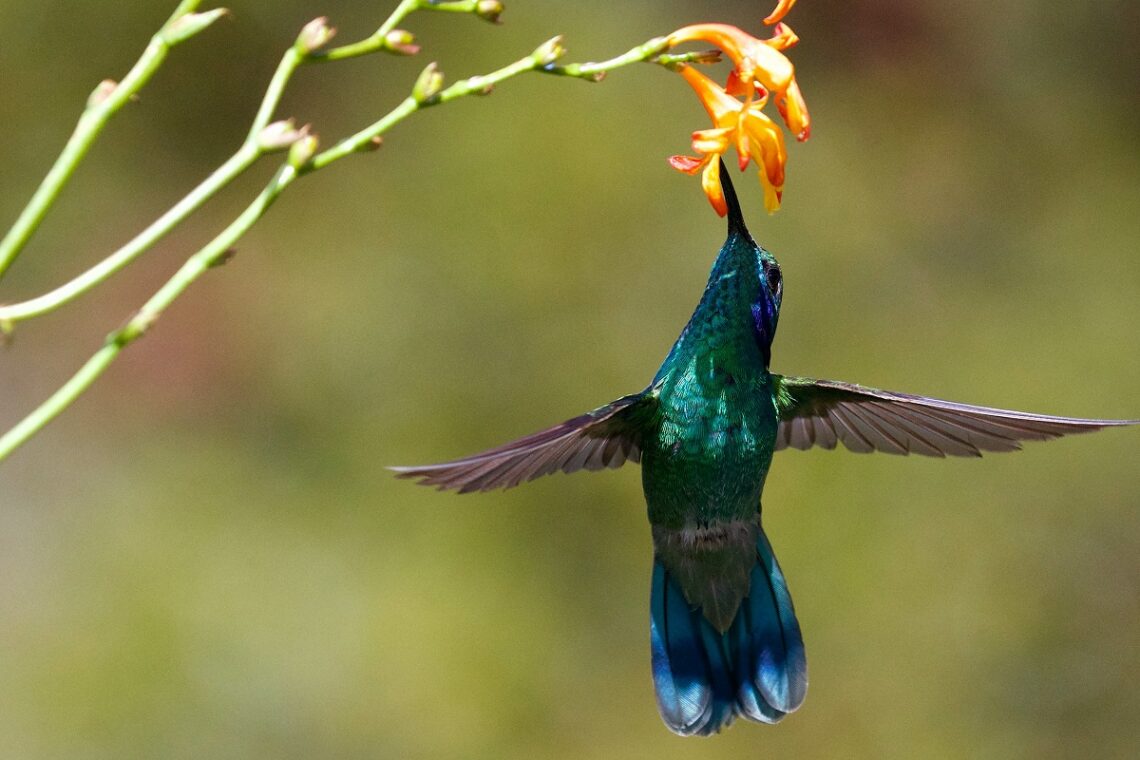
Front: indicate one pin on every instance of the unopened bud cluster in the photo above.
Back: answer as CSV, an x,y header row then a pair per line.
x,y
401,42
549,52
315,35
185,27
280,135
489,10
428,84
303,149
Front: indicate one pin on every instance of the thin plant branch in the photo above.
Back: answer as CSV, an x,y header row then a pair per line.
x,y
107,99
222,176
303,158
250,151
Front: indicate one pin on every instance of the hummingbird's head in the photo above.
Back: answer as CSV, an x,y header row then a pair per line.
x,y
767,287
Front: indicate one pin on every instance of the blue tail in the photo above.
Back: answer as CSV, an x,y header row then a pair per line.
x,y
705,678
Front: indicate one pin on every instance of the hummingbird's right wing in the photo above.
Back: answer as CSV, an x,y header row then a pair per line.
x,y
825,412
605,437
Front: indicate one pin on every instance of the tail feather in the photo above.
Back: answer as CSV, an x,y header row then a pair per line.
x,y
782,675
684,691
705,678
719,663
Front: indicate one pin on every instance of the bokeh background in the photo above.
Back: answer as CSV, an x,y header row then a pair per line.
x,y
206,558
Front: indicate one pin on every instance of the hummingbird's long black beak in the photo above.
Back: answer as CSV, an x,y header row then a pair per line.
x,y
735,216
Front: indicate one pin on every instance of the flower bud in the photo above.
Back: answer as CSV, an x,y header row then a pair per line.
x,y
314,35
401,42
280,135
549,51
429,83
303,149
185,27
489,10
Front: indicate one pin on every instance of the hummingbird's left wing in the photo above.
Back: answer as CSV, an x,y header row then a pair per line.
x,y
605,437
825,412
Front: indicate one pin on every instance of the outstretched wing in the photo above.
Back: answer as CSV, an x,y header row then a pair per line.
x,y
825,412
605,437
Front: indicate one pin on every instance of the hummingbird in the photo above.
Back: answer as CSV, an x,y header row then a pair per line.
x,y
724,637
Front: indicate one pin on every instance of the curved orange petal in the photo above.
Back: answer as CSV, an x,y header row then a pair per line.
x,y
728,38
743,149
687,164
718,103
754,59
706,141
710,182
771,157
768,147
734,85
734,41
769,66
782,8
772,194
782,37
793,108
758,97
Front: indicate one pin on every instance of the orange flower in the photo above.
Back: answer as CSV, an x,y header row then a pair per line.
x,y
755,136
760,68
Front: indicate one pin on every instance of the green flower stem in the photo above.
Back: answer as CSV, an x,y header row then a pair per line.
x,y
222,176
100,108
364,139
483,84
290,62
212,254
453,6
216,250
376,41
249,152
597,71
245,157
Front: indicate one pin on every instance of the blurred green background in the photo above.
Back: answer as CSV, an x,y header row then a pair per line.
x,y
206,558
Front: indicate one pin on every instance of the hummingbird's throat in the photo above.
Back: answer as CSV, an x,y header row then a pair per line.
x,y
712,562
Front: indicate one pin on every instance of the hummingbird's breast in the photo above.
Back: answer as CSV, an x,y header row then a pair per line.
x,y
712,444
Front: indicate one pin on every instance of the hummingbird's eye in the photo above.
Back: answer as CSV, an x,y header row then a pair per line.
x,y
774,280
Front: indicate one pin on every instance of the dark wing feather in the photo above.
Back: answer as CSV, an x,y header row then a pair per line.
x,y
606,437
825,412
